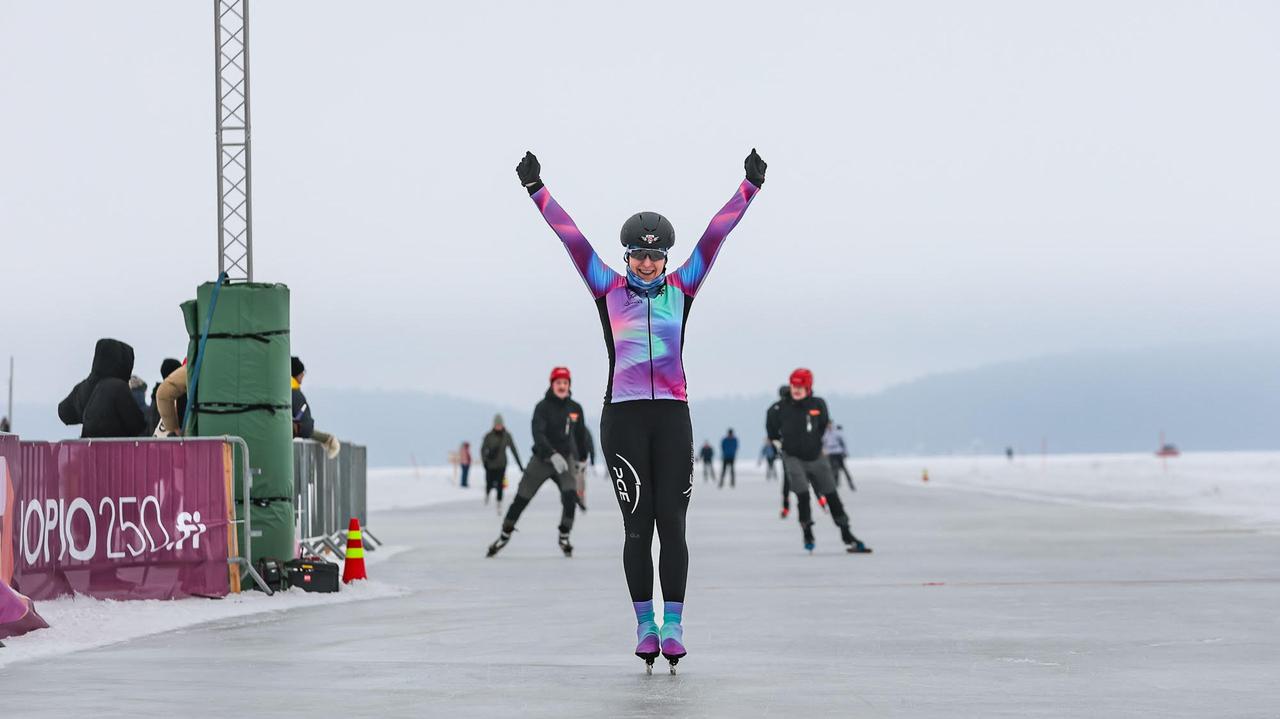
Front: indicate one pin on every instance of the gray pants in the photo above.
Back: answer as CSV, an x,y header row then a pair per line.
x,y
536,473
800,474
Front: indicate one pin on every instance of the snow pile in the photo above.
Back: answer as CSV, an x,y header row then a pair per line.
x,y
1240,485
78,623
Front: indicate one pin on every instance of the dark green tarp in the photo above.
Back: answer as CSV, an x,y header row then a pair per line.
x,y
243,390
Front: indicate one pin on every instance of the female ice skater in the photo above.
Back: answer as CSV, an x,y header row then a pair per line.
x,y
645,433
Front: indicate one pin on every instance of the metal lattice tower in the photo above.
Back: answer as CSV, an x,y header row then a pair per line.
x,y
235,207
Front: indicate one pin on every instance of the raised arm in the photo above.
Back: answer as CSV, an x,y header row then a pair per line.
x,y
599,278
692,273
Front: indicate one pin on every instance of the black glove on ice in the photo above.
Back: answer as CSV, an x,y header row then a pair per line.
x,y
754,166
529,171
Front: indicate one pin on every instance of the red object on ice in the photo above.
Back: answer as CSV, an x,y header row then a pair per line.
x,y
353,566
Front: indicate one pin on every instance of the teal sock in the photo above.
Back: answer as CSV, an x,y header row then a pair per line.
x,y
671,612
644,611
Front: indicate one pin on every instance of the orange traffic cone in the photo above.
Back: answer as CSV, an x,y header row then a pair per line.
x,y
353,567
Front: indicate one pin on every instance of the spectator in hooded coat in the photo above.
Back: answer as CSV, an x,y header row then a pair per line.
x,y
102,403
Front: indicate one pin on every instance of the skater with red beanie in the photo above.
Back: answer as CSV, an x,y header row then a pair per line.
x,y
559,440
799,422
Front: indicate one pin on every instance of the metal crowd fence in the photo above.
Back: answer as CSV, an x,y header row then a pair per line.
x,y
329,493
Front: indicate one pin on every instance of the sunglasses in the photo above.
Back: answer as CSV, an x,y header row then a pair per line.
x,y
646,254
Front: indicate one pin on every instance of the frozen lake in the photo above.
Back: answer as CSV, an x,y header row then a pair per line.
x,y
981,600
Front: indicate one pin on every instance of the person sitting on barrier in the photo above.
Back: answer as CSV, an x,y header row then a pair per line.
x,y
304,426
171,402
102,403
167,368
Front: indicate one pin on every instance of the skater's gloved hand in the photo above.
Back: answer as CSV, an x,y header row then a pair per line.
x,y
530,173
558,462
755,167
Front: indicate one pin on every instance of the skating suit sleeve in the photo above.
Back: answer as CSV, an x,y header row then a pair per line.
x,y
694,270
599,278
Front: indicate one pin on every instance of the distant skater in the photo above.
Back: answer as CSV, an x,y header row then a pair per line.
x,y
833,446
768,455
559,437
728,453
708,457
493,455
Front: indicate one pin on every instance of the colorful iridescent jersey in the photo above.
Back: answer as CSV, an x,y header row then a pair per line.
x,y
644,330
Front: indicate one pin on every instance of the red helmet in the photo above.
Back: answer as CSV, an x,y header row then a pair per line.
x,y
560,373
802,378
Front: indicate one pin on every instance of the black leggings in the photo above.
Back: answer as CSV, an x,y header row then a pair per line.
x,y
648,446
493,481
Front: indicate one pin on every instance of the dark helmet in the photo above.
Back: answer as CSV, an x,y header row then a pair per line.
x,y
648,230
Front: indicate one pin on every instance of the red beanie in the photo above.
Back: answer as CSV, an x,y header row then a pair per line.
x,y
802,378
560,373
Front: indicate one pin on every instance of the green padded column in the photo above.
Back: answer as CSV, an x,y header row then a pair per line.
x,y
273,527
243,391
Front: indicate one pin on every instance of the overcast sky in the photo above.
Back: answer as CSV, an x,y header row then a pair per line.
x,y
949,183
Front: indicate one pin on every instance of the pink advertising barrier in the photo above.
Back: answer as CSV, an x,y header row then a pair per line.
x,y
144,519
17,615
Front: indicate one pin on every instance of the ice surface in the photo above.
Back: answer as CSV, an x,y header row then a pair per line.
x,y
975,603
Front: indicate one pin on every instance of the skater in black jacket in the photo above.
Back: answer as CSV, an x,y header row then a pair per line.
x,y
559,440
798,424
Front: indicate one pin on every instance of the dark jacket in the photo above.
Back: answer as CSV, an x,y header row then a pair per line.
x,y
102,403
558,426
707,453
799,425
303,424
493,449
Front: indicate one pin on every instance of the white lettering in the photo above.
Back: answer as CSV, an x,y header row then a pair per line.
x,y
90,547
31,554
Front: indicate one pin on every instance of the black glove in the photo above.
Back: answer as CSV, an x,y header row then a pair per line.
x,y
529,171
754,166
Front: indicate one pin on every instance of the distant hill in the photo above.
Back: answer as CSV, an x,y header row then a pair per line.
x,y
1205,397
400,425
